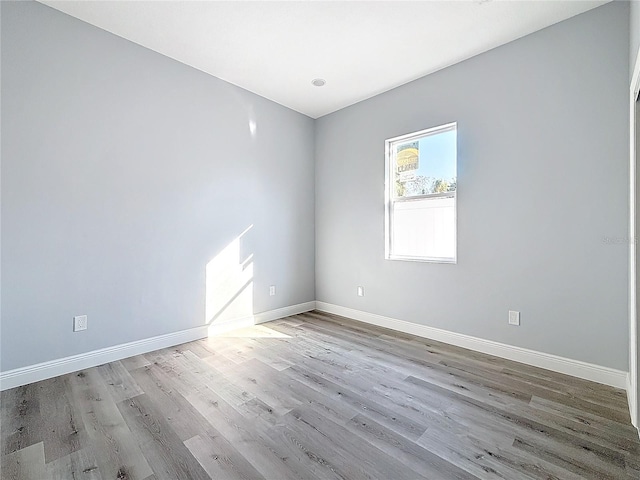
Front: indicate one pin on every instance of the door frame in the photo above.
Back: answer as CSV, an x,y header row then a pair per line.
x,y
632,383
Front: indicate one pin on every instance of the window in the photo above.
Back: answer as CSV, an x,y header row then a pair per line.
x,y
420,198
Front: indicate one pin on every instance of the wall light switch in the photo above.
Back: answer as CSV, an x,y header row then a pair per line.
x,y
514,318
361,291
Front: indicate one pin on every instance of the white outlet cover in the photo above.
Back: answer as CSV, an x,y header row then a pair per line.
x,y
272,290
360,291
514,317
80,323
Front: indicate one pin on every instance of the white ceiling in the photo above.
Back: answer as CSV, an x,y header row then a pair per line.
x,y
361,48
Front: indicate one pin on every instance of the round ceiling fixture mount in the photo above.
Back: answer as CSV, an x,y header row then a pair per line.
x,y
318,82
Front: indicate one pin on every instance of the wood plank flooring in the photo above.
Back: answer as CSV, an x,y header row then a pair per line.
x,y
316,396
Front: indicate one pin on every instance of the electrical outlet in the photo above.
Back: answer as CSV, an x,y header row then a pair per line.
x,y
80,323
360,291
272,290
514,318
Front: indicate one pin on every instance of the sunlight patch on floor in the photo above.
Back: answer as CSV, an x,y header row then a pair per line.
x,y
254,331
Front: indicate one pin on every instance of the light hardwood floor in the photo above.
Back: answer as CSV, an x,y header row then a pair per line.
x,y
316,396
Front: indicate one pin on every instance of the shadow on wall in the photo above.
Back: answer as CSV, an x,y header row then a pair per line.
x,y
229,276
229,286
229,293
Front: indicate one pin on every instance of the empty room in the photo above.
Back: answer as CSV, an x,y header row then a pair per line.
x,y
309,240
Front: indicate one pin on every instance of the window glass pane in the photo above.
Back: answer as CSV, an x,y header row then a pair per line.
x,y
426,165
425,228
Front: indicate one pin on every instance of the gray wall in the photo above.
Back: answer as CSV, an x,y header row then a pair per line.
x,y
123,173
543,179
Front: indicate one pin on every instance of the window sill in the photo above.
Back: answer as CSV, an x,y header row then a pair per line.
x,y
423,259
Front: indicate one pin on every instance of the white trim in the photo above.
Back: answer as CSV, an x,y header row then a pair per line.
x,y
285,312
576,368
401,258
407,137
262,317
632,387
62,366
234,324
635,78
631,398
389,200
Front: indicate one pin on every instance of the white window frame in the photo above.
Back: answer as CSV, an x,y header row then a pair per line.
x,y
389,196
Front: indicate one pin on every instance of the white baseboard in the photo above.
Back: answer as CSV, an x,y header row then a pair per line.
x,y
218,328
576,368
631,397
284,312
62,366
258,318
